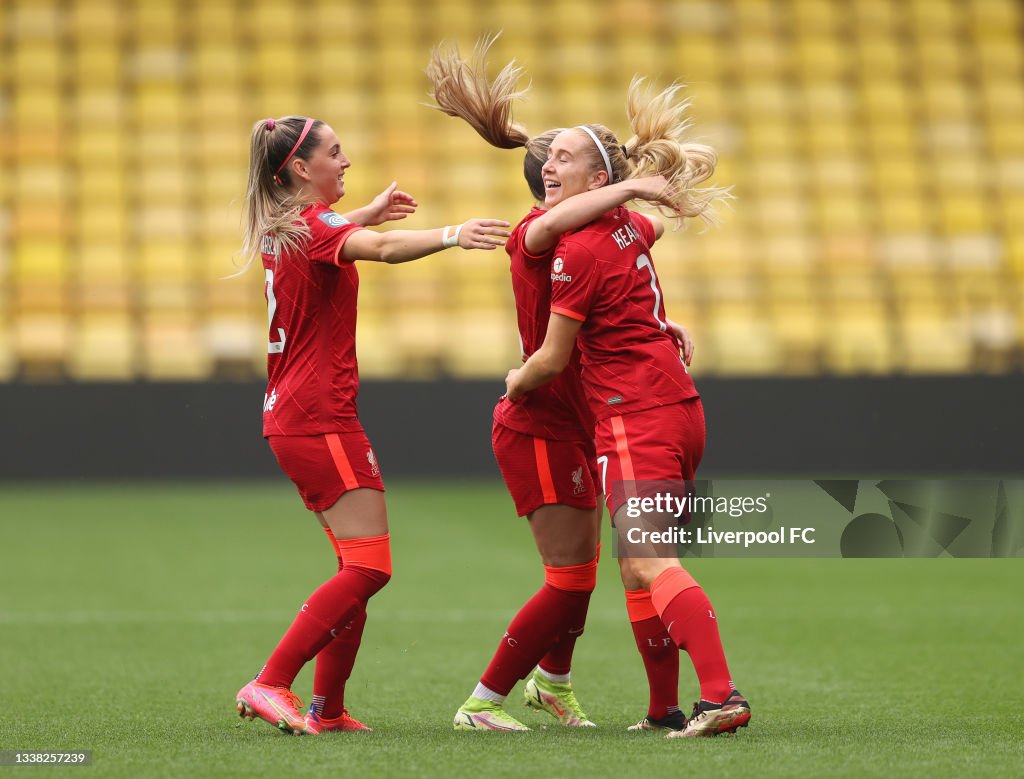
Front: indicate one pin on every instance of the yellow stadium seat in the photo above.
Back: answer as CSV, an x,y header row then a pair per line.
x,y
840,212
1002,99
815,18
699,57
880,58
35,20
271,20
218,66
858,340
999,56
769,138
932,340
789,250
848,248
160,105
97,64
889,174
215,21
964,213
970,173
1005,137
827,99
97,21
484,344
944,98
888,101
940,56
761,16
902,213
41,182
874,17
155,22
102,262
103,348
833,137
173,348
761,58
978,256
907,248
798,328
839,173
41,344
41,64
934,17
741,341
994,15
821,58
157,144
101,220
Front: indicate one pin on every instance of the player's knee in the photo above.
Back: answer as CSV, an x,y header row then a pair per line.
x,y
572,578
369,556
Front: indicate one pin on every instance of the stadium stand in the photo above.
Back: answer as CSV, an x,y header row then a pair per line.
x,y
876,151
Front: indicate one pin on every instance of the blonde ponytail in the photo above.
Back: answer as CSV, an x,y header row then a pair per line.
x,y
271,208
461,88
659,124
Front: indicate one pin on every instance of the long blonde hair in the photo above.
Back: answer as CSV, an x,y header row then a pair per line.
x,y
462,89
657,148
271,208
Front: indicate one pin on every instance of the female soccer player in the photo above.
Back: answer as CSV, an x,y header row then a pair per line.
x,y
605,296
296,170
543,444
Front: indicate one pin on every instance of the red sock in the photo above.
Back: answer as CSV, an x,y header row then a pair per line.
x,y
577,578
558,659
539,623
330,608
334,666
658,651
687,612
335,661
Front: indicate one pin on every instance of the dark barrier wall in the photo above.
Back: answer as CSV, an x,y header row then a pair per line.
x,y
961,425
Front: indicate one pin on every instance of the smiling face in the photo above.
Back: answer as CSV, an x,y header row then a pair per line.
x,y
323,173
570,169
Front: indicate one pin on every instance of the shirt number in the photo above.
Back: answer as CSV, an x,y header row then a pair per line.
x,y
273,347
603,459
643,261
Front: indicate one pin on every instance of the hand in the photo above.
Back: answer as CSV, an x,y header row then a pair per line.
x,y
389,206
655,189
511,383
483,234
682,338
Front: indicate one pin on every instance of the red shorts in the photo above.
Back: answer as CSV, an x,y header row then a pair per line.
x,y
540,471
325,467
658,444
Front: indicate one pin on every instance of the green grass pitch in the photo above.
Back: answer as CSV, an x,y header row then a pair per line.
x,y
130,615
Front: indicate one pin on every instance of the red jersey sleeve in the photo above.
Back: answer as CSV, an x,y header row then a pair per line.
x,y
329,231
517,240
573,281
644,227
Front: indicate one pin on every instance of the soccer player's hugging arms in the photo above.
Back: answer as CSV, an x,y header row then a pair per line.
x,y
297,171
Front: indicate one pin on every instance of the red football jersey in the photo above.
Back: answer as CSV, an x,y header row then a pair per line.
x,y
603,276
557,410
311,354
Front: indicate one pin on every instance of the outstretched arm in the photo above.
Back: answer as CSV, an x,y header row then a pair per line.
x,y
578,210
548,361
397,246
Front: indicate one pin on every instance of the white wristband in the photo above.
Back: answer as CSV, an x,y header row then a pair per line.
x,y
448,241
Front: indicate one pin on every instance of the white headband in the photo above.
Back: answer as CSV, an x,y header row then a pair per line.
x,y
600,148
